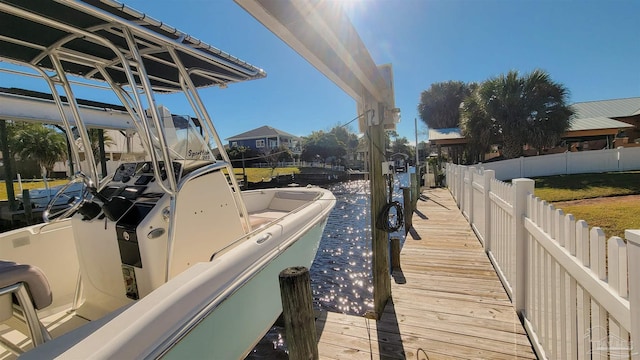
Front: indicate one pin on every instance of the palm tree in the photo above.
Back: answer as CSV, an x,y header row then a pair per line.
x,y
42,144
518,110
94,137
476,126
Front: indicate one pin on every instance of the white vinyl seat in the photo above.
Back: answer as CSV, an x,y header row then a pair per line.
x,y
31,290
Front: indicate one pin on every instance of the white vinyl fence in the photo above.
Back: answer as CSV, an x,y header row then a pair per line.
x,y
577,293
594,161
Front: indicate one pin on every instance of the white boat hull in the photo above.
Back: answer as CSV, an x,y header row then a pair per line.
x,y
193,314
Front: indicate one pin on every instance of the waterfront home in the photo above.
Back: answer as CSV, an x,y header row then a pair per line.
x,y
265,138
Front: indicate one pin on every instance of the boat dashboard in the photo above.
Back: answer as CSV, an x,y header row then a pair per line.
x,y
131,180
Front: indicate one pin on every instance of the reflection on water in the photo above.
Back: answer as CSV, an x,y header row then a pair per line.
x,y
341,272
341,279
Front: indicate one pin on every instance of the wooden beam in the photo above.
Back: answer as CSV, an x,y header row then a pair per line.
x,y
379,238
324,36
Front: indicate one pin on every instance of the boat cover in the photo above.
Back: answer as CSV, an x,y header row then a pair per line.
x,y
29,30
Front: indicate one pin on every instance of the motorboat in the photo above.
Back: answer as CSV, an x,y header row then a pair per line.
x,y
165,256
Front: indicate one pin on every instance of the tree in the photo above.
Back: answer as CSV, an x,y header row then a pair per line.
x,y
42,144
400,145
439,106
277,155
518,110
94,138
476,126
322,145
243,156
347,139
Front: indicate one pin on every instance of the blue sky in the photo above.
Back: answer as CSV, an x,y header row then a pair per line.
x,y
592,47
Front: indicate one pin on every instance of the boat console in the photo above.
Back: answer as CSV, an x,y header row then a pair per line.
x,y
124,246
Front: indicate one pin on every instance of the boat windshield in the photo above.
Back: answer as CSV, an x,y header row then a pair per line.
x,y
184,139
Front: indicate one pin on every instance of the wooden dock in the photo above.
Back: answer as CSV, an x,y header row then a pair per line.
x,y
448,302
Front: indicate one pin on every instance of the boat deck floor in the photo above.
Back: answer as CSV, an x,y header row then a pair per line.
x,y
447,301
57,324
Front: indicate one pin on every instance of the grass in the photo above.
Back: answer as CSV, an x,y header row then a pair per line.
x,y
587,186
253,174
27,185
611,214
258,174
614,218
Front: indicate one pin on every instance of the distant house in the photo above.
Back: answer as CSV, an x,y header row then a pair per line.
x,y
621,117
595,125
264,139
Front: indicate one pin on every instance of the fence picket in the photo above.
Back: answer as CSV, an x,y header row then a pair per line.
x,y
617,278
578,293
558,232
570,233
597,252
553,284
582,242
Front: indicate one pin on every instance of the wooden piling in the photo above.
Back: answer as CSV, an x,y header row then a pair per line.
x,y
415,189
26,202
408,209
297,311
379,237
395,253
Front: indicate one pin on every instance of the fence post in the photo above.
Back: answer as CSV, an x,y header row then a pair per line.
x,y
472,174
522,188
462,170
459,182
633,261
488,176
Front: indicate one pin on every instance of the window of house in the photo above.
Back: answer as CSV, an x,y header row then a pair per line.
x,y
260,143
234,144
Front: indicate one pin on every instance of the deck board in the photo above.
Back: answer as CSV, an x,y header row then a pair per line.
x,y
450,304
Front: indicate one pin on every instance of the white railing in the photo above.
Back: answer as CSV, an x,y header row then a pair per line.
x,y
594,161
577,294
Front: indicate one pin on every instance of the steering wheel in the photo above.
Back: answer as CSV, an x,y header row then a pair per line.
x,y
73,203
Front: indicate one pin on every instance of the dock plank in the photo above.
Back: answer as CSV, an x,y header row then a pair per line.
x,y
450,303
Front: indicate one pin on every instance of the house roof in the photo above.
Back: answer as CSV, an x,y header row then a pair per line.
x,y
607,108
589,116
263,131
597,123
445,134
449,135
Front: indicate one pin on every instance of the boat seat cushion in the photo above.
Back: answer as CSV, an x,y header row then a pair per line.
x,y
12,273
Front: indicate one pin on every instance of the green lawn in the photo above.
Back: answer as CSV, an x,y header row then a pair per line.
x,y
612,214
27,185
253,174
258,174
587,186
